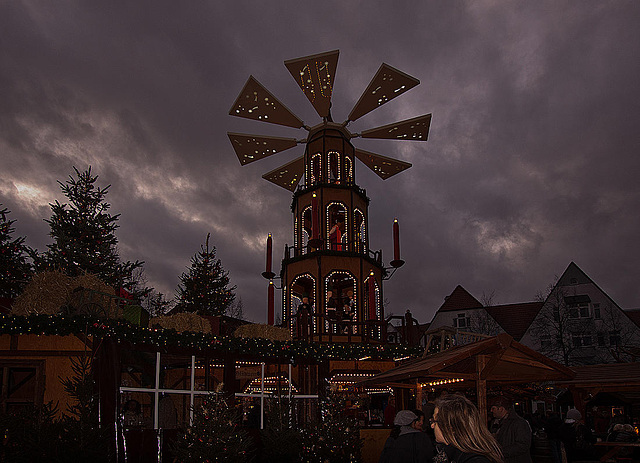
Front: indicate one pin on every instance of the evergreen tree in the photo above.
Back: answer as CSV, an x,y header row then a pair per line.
x,y
335,437
205,287
84,236
15,270
215,435
281,439
82,437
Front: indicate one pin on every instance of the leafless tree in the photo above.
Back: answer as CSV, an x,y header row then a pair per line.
x,y
557,331
236,309
616,331
480,320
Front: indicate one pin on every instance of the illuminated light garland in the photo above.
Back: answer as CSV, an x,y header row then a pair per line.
x,y
327,280
363,228
290,311
339,171
442,382
270,385
356,378
122,331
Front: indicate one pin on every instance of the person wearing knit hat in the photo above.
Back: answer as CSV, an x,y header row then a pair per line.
x,y
576,437
573,415
407,443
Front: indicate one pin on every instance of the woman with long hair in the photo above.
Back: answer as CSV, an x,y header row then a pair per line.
x,y
457,425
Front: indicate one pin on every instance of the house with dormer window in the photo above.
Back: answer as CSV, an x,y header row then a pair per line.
x,y
577,323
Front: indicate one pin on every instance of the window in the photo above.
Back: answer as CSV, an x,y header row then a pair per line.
x,y
21,384
579,310
601,340
582,340
596,311
461,321
614,337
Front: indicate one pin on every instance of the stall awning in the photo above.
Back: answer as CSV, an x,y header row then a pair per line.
x,y
497,359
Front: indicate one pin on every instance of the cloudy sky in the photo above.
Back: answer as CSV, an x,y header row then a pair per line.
x,y
532,162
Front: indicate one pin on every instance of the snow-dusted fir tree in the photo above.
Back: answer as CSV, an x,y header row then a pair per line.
x,y
204,288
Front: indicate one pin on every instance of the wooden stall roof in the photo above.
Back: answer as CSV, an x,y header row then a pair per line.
x,y
606,377
503,360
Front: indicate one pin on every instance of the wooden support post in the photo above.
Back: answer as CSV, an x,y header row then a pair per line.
x,y
418,395
481,387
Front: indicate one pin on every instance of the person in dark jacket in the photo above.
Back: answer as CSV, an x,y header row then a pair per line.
x,y
462,434
576,437
512,432
407,443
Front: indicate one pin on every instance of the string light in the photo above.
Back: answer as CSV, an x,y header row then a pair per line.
x,y
441,382
122,331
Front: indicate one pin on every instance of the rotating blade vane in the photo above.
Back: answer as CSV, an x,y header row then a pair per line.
x,y
287,176
383,166
257,103
411,129
315,75
387,84
251,148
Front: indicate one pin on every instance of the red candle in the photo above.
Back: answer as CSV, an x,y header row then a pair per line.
x,y
270,314
315,232
396,240
371,284
269,252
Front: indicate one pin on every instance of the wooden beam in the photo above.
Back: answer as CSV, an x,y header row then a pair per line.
x,y
43,353
481,387
491,364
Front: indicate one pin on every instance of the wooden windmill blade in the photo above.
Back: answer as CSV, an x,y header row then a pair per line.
x,y
250,148
410,129
383,166
257,103
315,75
387,84
287,176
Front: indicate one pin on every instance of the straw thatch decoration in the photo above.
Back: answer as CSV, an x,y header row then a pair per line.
x,y
273,333
50,292
45,294
182,322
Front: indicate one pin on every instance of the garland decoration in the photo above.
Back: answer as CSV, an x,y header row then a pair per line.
x,y
122,331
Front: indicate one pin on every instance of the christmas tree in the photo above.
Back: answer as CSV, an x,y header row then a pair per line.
x,y
205,287
281,438
15,270
84,236
335,437
215,435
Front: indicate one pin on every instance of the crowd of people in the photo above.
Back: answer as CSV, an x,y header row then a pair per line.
x,y
451,429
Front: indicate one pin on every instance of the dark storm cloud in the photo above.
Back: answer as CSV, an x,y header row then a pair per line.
x,y
532,158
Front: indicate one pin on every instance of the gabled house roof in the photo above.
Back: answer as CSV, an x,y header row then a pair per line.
x,y
458,300
634,315
515,318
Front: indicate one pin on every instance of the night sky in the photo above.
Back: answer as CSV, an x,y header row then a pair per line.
x,y
532,162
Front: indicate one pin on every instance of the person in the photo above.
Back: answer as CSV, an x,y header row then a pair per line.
x,y
576,437
464,436
304,318
512,432
419,422
552,428
390,411
407,444
335,236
